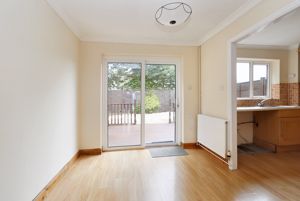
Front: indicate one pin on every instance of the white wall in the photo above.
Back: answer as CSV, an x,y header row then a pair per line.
x,y
90,85
38,92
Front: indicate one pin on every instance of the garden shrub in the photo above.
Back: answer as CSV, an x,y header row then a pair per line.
x,y
152,104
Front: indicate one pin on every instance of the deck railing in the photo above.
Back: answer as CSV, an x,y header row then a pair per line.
x,y
125,114
121,114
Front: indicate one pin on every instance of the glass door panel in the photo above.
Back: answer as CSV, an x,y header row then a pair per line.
x,y
160,103
124,104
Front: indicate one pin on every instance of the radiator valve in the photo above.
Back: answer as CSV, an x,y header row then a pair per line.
x,y
228,154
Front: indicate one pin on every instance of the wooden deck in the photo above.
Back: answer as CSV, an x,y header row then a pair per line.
x,y
157,129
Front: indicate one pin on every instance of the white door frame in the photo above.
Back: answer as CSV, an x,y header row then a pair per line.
x,y
231,75
143,60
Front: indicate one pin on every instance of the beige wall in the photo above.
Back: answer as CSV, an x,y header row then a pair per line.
x,y
214,55
293,65
38,85
91,83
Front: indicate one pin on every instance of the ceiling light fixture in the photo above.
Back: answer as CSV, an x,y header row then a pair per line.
x,y
173,14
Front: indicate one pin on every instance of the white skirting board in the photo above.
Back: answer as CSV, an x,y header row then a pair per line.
x,y
212,133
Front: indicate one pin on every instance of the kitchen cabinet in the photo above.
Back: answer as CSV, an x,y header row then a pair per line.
x,y
278,130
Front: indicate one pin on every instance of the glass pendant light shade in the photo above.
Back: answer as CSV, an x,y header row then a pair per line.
x,y
173,14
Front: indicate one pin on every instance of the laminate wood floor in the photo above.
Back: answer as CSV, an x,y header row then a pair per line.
x,y
135,176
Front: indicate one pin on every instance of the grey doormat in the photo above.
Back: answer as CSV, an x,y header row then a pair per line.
x,y
252,149
167,151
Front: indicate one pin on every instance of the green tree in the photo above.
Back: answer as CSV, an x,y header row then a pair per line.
x,y
160,76
127,76
124,76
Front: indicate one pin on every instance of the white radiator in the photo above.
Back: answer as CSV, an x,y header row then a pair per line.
x,y
212,133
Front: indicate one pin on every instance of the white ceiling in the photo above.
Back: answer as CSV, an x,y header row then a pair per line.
x,y
282,33
133,20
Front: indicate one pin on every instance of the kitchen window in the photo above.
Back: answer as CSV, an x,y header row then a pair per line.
x,y
253,79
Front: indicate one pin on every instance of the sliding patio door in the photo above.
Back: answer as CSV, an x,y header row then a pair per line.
x,y
160,103
124,104
140,104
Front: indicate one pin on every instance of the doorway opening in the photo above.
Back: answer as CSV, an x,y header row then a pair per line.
x,y
252,90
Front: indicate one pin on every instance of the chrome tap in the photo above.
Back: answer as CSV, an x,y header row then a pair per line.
x,y
262,103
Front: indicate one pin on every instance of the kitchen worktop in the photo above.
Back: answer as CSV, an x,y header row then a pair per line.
x,y
267,108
